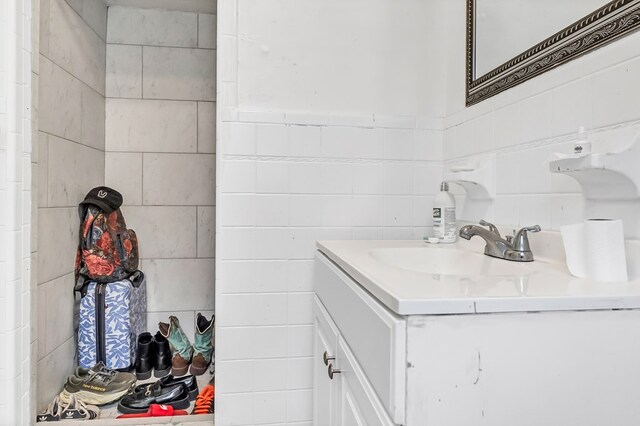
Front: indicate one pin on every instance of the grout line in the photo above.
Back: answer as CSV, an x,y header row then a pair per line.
x,y
163,46
198,127
197,226
142,182
70,140
56,278
160,99
319,160
89,26
70,74
176,258
142,72
155,152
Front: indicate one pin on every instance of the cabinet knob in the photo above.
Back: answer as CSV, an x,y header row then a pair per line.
x,y
326,358
331,371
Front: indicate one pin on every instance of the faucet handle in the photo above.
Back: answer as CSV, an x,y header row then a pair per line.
x,y
521,240
491,226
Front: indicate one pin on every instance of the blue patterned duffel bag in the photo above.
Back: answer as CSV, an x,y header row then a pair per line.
x,y
111,317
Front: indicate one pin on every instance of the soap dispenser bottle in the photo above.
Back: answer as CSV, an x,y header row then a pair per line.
x,y
444,215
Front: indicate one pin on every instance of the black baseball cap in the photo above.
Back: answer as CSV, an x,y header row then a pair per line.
x,y
108,199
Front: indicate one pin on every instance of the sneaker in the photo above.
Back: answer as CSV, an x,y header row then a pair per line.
x,y
97,386
204,401
52,413
78,410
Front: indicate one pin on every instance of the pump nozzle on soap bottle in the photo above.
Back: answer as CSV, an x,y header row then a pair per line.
x,y
444,215
582,144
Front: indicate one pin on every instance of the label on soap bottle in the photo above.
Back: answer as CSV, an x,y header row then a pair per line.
x,y
444,223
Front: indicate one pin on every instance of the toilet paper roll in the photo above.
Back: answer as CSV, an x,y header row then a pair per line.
x,y
595,249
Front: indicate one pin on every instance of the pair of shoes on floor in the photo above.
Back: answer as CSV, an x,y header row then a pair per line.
x,y
177,392
199,355
97,385
204,401
153,354
72,410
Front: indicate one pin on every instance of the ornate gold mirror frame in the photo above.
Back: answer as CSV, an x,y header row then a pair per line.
x,y
606,24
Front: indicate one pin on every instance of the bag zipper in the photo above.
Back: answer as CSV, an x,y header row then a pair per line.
x,y
100,332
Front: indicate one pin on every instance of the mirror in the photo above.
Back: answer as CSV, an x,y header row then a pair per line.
x,y
511,41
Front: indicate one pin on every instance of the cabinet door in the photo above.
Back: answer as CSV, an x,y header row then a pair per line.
x,y
326,340
356,402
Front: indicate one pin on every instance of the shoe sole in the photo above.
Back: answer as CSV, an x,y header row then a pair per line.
x,y
179,371
161,373
198,371
143,376
92,398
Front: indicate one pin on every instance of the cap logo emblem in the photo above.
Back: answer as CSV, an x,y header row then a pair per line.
x,y
102,194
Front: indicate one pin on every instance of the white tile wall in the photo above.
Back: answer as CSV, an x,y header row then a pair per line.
x,y
285,180
272,209
282,187
16,185
525,125
160,143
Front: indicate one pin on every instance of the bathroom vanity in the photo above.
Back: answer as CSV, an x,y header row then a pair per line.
x,y
439,335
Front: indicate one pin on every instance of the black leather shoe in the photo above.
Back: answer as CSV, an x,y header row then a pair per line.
x,y
162,356
144,356
189,382
139,401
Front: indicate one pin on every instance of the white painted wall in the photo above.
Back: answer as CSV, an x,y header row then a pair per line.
x,y
16,333
341,56
330,128
528,123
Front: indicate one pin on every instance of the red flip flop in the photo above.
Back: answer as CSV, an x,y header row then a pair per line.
x,y
156,410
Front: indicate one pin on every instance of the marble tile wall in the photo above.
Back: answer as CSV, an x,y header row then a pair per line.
x,y
160,151
17,332
70,159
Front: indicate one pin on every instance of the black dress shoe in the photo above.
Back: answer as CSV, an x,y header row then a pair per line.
x,y
144,356
162,356
189,382
139,401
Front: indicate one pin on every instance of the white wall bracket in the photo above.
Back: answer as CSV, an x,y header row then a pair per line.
x,y
477,177
606,175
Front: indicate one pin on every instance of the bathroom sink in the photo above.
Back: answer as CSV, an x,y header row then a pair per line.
x,y
435,260
415,278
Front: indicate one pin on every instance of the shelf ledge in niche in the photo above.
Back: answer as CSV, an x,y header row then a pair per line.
x,y
604,175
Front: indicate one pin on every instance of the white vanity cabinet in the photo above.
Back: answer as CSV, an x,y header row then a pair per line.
x,y
342,394
564,367
366,343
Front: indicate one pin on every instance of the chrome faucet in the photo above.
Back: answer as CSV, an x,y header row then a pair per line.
x,y
514,247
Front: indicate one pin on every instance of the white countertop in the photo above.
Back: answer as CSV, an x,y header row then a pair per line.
x,y
542,285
